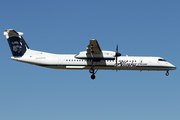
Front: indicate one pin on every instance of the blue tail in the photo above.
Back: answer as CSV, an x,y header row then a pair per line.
x,y
16,43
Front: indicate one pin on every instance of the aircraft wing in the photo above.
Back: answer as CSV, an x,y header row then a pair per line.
x,y
93,47
94,52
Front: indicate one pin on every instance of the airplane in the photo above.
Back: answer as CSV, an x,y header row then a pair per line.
x,y
93,58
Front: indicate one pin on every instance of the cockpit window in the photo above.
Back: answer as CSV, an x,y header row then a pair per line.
x,y
161,60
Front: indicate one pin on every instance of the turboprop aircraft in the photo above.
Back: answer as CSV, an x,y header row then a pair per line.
x,y
93,58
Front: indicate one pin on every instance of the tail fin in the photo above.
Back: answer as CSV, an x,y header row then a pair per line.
x,y
16,42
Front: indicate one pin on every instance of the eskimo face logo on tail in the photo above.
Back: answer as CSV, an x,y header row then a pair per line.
x,y
16,46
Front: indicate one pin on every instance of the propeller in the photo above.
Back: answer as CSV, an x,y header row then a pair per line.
x,y
117,54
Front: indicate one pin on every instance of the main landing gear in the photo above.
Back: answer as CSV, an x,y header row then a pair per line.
x,y
167,73
91,70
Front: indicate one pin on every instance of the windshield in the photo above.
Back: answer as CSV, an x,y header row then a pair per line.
x,y
161,60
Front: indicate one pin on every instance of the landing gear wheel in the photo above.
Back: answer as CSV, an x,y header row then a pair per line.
x,y
91,70
93,76
167,73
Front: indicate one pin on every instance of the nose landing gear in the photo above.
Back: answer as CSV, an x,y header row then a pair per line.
x,y
167,73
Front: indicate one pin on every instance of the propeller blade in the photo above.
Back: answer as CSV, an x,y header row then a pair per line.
x,y
117,54
116,60
117,48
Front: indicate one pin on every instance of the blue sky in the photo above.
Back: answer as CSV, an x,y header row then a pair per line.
x,y
140,28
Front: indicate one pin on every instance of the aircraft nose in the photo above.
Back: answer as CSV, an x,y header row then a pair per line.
x,y
173,67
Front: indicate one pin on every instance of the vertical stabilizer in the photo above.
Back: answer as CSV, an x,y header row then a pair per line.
x,y
16,42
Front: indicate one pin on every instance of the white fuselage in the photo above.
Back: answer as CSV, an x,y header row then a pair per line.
x,y
68,61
